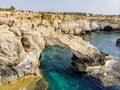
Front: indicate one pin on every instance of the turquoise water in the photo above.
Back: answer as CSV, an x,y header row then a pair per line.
x,y
61,75
105,42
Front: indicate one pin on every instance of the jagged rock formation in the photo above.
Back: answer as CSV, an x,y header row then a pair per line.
x,y
11,53
20,51
14,57
108,73
21,45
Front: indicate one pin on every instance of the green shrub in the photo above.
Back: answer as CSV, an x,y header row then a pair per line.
x,y
12,8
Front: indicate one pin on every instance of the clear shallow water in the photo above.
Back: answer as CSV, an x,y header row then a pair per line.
x,y
61,75
105,42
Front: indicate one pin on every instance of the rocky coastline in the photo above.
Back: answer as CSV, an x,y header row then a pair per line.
x,y
24,36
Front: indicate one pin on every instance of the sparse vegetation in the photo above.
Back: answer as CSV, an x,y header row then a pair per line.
x,y
12,8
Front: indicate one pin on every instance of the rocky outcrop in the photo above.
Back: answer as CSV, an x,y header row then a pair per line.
x,y
84,52
108,73
21,45
75,27
118,42
20,50
11,53
18,59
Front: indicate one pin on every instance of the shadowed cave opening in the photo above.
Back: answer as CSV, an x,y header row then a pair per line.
x,y
108,28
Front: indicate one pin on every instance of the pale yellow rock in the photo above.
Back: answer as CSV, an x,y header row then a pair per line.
x,y
20,45
16,31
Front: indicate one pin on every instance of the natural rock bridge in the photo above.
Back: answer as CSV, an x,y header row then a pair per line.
x,y
21,45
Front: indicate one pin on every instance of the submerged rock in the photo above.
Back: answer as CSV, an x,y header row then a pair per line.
x,y
118,42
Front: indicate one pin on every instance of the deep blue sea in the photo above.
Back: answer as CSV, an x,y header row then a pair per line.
x,y
61,75
105,42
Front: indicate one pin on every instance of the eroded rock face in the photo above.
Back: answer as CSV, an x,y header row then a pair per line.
x,y
11,53
84,52
20,46
75,27
20,51
108,73
16,59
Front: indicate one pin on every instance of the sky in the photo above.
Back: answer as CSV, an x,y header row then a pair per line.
x,y
86,6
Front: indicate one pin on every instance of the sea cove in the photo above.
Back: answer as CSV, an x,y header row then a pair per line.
x,y
62,75
58,51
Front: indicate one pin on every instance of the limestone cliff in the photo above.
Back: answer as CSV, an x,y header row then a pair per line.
x,y
21,44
